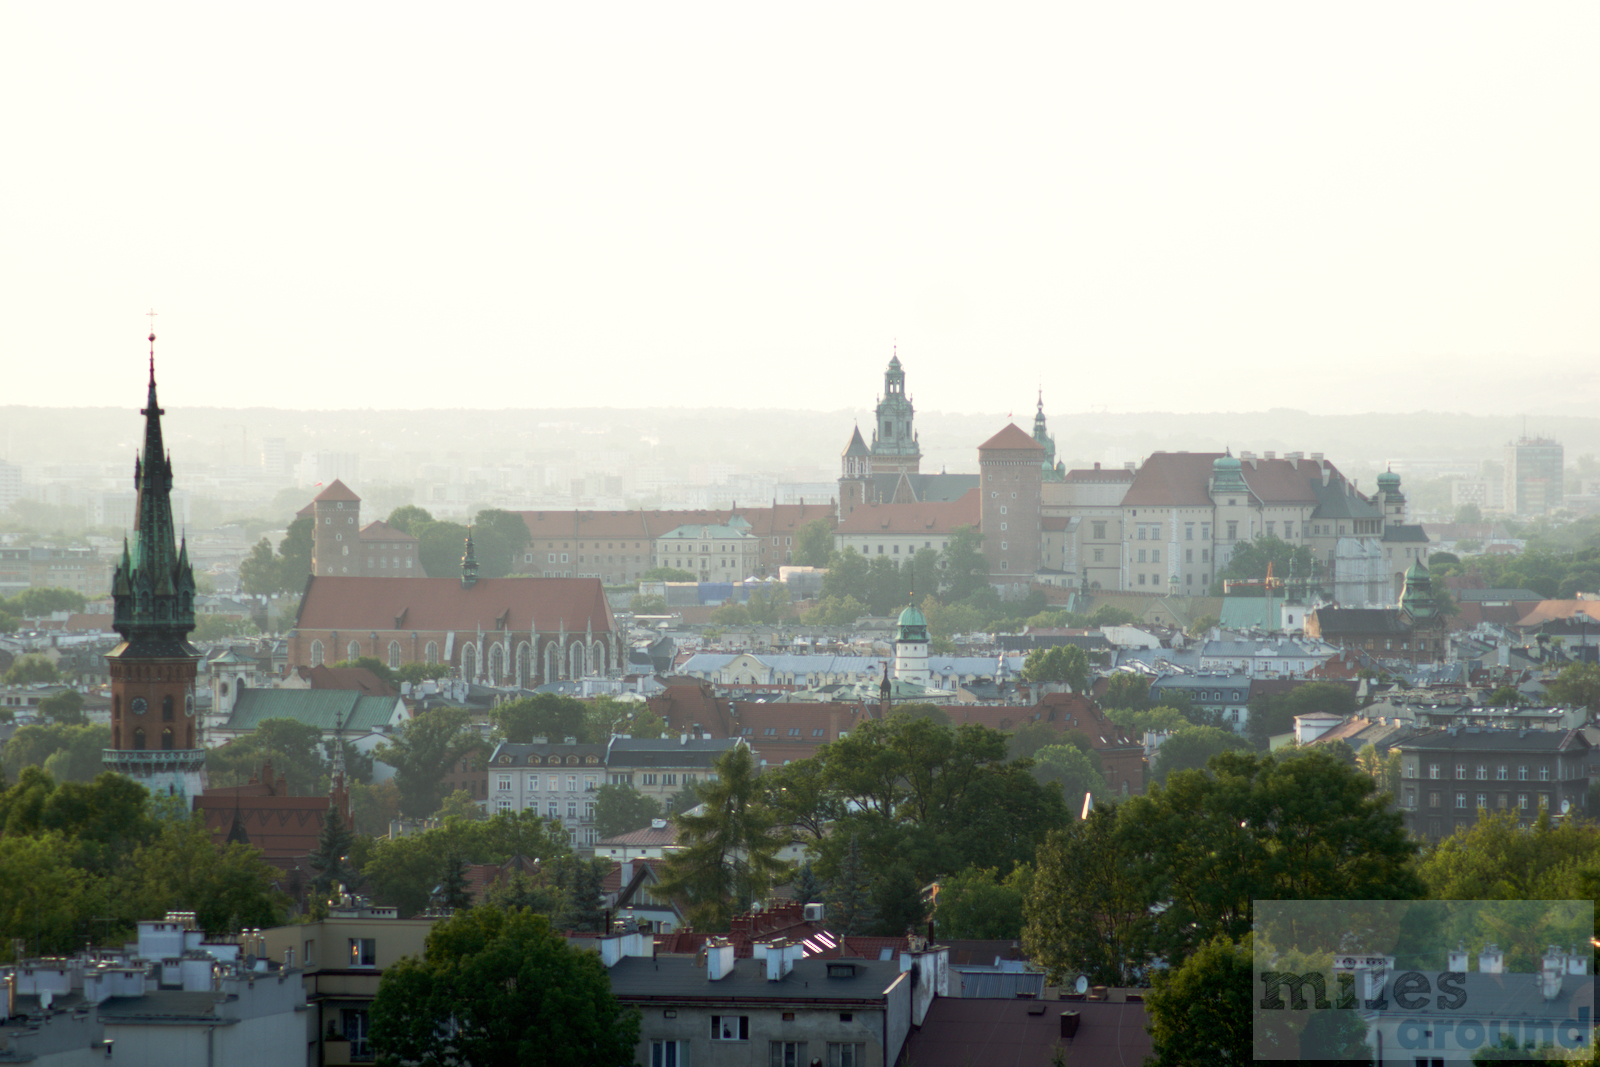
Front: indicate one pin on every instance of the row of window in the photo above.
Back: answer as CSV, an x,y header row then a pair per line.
x,y
1502,772
1481,800
590,783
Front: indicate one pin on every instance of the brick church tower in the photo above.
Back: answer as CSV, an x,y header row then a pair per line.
x,y
155,739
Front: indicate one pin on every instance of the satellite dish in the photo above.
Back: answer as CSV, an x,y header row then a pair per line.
x,y
1081,985
1566,806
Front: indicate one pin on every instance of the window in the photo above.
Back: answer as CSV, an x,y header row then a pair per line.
x,y
1522,801
649,779
363,952
1205,555
1155,555
555,809
503,804
533,781
669,779
1099,531
1544,772
1140,560
730,1028
1483,772
1233,531
1461,800
1099,555
1522,773
1483,800
1433,770
572,809
846,1055
1433,800
1141,531
788,1054
1461,771
505,781
316,653
354,1024
572,783
669,1054
1500,772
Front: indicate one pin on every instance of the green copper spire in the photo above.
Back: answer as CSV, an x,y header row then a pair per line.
x,y
469,564
153,588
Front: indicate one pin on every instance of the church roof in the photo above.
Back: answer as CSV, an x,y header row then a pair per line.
x,y
1013,438
433,604
336,490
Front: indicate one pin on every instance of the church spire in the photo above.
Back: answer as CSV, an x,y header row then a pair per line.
x,y
154,583
469,564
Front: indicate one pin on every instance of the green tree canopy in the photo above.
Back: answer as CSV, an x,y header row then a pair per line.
x,y
667,574
65,707
547,715
622,808
403,871
70,753
979,904
1250,559
1063,663
407,517
1200,1010
1274,714
496,987
965,570
294,748
813,544
31,670
1578,684
422,752
45,600
500,539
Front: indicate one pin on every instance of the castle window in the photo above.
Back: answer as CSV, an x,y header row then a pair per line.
x,y
166,739
166,709
138,738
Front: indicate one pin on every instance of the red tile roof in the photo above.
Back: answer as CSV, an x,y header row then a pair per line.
x,y
379,530
1182,479
918,518
542,604
355,679
336,491
1013,437
1100,474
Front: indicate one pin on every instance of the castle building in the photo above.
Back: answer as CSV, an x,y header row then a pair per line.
x,y
341,545
155,739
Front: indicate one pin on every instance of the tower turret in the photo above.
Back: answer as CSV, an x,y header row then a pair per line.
x,y
469,566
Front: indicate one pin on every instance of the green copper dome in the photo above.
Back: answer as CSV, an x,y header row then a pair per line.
x,y
913,625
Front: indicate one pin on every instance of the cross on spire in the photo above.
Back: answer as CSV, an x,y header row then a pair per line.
x,y
152,316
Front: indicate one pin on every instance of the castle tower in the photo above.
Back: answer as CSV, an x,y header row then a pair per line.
x,y
154,737
1010,482
1391,499
894,437
855,465
336,540
911,648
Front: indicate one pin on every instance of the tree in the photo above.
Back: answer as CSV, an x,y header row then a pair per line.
x,y
263,573
1063,663
1383,770
835,611
807,888
331,860
1087,909
1271,715
228,889
1110,615
422,752
966,571
45,600
420,672
813,543
1578,684
547,715
373,664
31,670
1251,559
648,605
294,749
1203,625
621,808
667,574
1191,748
209,628
1200,1010
500,539
1137,723
1505,696
728,857
70,753
1469,515
1072,771
496,987
440,546
850,909
979,904
847,576
65,707
897,899
1127,690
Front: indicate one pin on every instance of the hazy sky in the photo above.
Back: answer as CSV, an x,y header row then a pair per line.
x,y
1187,206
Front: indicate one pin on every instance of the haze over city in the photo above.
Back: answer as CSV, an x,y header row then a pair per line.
x,y
1232,207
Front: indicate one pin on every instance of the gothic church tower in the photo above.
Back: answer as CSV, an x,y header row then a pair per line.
x,y
154,737
894,439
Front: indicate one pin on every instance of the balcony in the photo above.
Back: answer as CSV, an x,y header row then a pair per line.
x,y
150,759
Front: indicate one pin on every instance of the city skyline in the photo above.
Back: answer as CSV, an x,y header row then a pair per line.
x,y
1239,207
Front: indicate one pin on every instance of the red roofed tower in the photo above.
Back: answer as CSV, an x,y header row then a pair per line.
x,y
1010,482
336,539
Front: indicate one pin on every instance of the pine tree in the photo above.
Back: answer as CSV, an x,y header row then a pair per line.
x,y
331,860
453,893
851,909
808,888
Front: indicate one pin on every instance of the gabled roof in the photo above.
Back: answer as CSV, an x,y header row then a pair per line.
x,y
923,518
648,837
1334,502
1012,438
355,679
1182,479
1100,474
857,446
326,709
379,530
433,604
336,490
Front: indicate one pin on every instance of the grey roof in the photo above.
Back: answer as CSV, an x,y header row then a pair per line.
x,y
326,709
1402,532
1334,621
935,488
1489,739
164,1005
681,978
1333,502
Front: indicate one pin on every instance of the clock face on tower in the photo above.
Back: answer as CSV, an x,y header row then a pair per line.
x,y
188,705
139,704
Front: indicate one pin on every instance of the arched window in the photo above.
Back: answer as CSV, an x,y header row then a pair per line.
x,y
431,654
166,739
497,663
575,660
469,662
116,705
394,655
316,653
222,688
597,658
552,661
166,709
353,651
138,738
524,666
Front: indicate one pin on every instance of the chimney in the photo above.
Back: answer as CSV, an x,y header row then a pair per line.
x,y
1456,960
1577,963
1551,970
719,959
